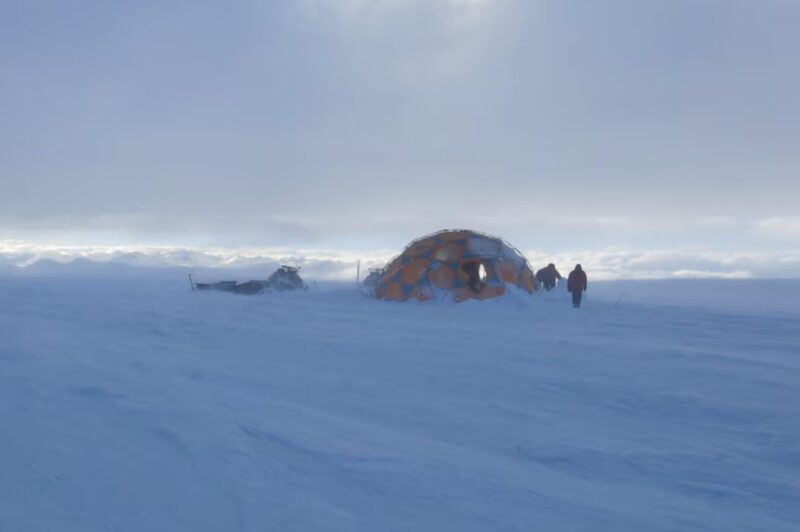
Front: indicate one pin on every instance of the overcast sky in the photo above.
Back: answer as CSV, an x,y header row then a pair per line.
x,y
361,124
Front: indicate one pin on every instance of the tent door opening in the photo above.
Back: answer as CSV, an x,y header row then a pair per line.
x,y
476,274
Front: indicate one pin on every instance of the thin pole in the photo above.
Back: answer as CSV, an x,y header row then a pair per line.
x,y
358,271
191,283
622,295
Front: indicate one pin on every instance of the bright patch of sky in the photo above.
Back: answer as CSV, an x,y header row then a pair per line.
x,y
358,125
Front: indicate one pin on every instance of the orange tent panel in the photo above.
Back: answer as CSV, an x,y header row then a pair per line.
x,y
414,271
394,292
448,252
442,277
450,236
419,247
509,272
527,281
392,268
421,293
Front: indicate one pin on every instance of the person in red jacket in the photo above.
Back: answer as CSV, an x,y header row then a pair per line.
x,y
576,284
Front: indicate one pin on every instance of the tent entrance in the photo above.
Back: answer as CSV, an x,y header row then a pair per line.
x,y
475,272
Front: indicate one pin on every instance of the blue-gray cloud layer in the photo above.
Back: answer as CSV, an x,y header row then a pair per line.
x,y
316,120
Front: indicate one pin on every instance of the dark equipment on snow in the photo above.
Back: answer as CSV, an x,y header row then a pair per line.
x,y
283,279
286,278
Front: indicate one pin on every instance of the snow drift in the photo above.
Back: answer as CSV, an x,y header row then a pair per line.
x,y
135,406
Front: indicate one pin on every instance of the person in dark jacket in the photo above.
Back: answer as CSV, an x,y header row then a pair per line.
x,y
576,285
548,276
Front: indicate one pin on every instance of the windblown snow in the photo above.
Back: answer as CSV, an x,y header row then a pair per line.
x,y
133,404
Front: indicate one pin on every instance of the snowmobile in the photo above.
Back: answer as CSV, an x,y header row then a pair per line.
x,y
248,287
282,279
286,278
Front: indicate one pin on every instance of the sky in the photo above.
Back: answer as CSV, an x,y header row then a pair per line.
x,y
666,129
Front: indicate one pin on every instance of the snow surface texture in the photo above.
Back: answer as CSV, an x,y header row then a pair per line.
x,y
137,405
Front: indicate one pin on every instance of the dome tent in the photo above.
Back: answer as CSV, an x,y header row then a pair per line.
x,y
460,263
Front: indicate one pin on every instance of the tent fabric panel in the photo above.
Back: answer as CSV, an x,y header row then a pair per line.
x,y
420,247
413,271
449,252
527,280
421,293
393,267
442,277
452,236
509,272
393,291
480,246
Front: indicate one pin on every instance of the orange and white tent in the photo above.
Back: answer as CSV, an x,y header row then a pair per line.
x,y
458,264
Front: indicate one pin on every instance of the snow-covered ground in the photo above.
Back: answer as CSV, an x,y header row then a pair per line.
x,y
129,403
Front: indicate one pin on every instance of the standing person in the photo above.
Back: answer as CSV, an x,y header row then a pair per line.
x,y
548,276
576,284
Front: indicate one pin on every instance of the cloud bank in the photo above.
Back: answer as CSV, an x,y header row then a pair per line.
x,y
610,264
308,123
